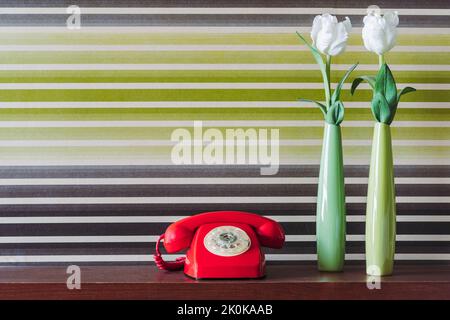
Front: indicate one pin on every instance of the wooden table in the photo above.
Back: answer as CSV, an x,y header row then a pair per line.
x,y
281,282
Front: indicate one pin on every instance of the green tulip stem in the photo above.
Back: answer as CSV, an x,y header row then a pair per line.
x,y
328,89
380,60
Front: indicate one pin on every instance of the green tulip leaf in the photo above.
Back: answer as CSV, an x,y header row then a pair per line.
x,y
381,109
385,85
375,107
369,79
337,91
318,57
404,91
385,96
320,105
314,51
335,114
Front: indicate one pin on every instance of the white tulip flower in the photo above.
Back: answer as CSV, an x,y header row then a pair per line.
x,y
380,32
329,36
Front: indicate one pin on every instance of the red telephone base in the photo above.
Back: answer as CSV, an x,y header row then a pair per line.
x,y
202,264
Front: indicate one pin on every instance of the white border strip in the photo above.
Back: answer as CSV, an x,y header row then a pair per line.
x,y
204,104
201,85
149,257
216,66
203,200
203,181
217,10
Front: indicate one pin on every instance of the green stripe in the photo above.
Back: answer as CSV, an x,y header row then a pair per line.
x,y
123,76
202,95
132,154
117,114
72,37
113,57
146,133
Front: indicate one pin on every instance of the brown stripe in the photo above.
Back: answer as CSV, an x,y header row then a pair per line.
x,y
111,229
199,171
201,20
212,190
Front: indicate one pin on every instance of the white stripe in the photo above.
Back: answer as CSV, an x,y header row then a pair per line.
x,y
91,219
362,218
405,218
415,180
425,218
80,258
204,104
291,257
169,219
189,200
293,238
198,29
149,258
363,143
403,237
216,10
211,123
218,66
137,47
201,181
201,85
152,239
398,256
227,143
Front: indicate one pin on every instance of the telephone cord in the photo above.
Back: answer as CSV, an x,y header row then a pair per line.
x,y
178,264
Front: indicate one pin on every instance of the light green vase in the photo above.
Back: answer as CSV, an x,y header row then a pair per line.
x,y
330,220
380,212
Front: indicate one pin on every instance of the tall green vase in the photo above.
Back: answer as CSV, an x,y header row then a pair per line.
x,y
330,219
380,212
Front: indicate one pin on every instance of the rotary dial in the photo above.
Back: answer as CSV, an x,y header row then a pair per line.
x,y
227,241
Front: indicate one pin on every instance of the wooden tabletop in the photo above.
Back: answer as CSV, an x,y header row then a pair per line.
x,y
281,282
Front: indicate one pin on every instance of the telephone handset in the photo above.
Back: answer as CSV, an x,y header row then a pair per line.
x,y
221,244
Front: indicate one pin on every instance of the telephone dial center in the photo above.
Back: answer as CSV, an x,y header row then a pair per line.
x,y
227,241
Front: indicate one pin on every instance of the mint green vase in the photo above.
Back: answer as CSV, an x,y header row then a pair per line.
x,y
330,220
380,212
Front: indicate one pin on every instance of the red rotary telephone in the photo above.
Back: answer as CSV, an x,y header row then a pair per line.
x,y
222,244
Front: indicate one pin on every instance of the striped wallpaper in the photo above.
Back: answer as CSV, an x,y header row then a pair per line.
x,y
86,118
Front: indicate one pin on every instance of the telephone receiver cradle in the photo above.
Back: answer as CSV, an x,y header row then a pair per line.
x,y
221,244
